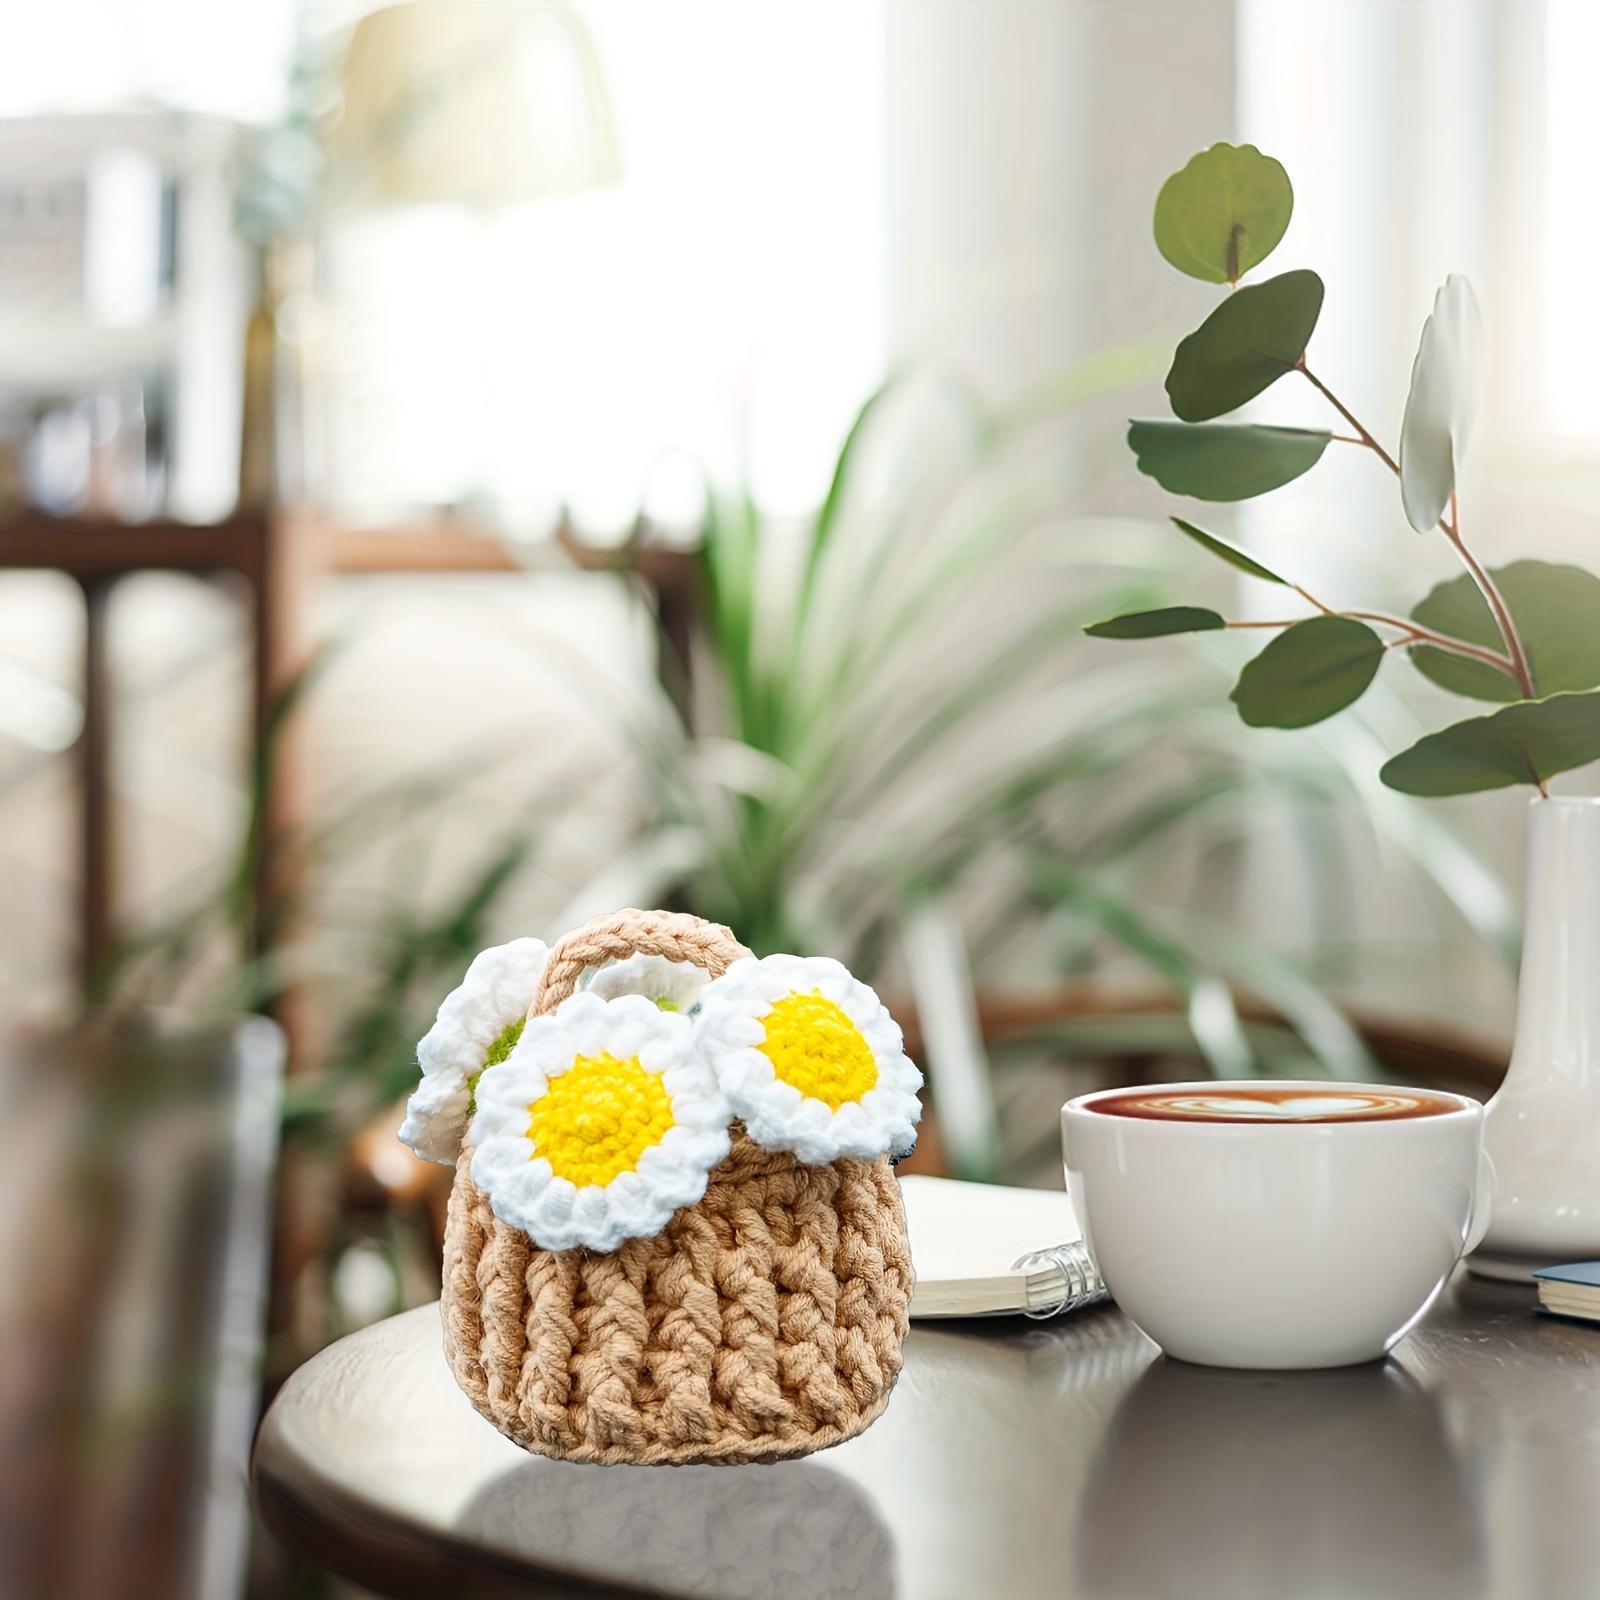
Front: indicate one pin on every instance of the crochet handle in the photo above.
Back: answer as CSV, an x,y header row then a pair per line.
x,y
673,934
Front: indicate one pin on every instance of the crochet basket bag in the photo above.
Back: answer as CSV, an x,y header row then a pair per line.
x,y
762,1321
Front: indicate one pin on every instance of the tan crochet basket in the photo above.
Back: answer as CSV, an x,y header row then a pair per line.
x,y
763,1322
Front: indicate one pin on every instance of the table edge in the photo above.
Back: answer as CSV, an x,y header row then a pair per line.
x,y
344,1532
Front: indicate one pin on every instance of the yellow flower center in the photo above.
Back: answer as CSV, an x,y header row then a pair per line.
x,y
813,1045
597,1118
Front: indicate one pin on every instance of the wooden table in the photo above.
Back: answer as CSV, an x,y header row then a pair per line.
x,y
1015,1460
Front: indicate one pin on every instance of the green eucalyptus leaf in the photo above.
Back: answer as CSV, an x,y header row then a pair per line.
x,y
1557,613
1223,460
1308,672
1152,624
1224,213
1524,743
1442,403
1254,337
1229,553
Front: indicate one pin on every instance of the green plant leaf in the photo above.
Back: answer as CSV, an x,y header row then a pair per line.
x,y
1223,460
1152,624
1442,403
827,519
1524,743
1223,213
1557,613
1308,672
1254,337
1233,556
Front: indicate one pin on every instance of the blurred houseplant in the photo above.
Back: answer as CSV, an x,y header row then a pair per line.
x,y
354,937
1523,636
892,746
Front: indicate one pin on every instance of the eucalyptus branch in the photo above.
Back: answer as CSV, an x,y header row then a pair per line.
x,y
1410,633
1416,634
1349,416
1440,641
1493,599
1515,660
1325,659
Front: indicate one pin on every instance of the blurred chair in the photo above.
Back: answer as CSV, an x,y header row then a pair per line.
x,y
133,1274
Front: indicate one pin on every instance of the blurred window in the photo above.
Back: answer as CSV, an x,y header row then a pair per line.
x,y
723,304
1572,218
1430,139
227,57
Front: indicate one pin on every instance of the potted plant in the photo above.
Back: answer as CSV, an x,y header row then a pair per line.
x,y
1525,637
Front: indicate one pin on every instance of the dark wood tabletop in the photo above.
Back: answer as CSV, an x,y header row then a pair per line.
x,y
1016,1459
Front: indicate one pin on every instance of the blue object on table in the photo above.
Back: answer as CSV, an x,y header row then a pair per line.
x,y
1572,1290
1584,1272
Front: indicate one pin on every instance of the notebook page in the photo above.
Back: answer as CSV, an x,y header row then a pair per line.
x,y
964,1237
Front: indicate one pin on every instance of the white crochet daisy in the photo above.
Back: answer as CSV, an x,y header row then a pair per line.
x,y
478,1025
600,1124
673,985
809,1058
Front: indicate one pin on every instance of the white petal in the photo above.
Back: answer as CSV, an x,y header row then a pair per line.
x,y
436,1117
729,1027
634,1204
496,991
1442,404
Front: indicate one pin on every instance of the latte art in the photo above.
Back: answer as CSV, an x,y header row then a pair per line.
x,y
1275,1105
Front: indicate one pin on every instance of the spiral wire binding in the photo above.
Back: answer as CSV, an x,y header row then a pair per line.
x,y
1081,1283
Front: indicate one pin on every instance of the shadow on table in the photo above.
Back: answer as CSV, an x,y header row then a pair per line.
x,y
1277,1485
717,1533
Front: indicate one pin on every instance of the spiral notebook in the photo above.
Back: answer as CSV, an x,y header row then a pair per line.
x,y
983,1250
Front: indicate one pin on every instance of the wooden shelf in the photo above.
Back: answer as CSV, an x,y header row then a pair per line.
x,y
96,548
450,547
280,554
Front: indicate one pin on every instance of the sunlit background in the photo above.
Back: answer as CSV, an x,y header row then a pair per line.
x,y
538,436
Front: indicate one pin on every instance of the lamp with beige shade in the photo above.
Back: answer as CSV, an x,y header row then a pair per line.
x,y
486,106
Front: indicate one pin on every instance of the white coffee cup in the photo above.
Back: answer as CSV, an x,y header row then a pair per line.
x,y
1267,1223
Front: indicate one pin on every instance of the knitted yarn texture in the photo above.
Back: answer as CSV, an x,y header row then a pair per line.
x,y
762,1322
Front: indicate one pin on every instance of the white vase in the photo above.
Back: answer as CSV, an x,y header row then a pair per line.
x,y
1543,1127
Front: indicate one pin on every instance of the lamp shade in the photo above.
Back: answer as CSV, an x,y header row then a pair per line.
x,y
486,105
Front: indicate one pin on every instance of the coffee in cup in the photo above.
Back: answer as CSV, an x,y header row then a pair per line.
x,y
1275,1224
1274,1102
